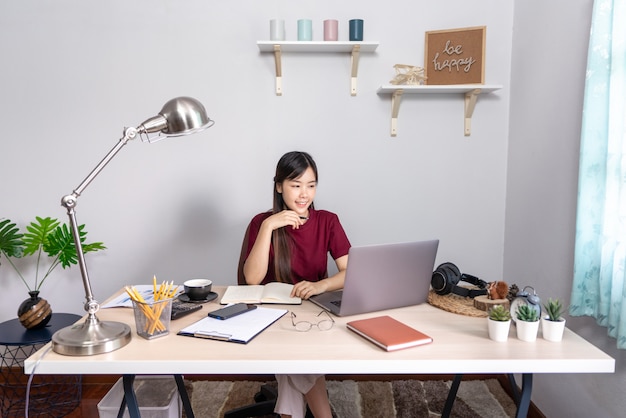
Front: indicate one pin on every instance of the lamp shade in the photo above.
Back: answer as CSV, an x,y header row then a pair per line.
x,y
179,116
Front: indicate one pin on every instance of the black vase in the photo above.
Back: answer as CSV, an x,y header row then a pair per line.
x,y
34,312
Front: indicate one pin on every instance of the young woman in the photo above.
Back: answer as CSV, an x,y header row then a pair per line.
x,y
291,244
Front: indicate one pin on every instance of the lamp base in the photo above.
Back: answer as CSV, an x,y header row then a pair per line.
x,y
91,337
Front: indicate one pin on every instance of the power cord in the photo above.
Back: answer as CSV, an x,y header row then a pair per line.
x,y
30,380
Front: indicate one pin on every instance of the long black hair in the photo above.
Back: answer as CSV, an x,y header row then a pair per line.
x,y
290,166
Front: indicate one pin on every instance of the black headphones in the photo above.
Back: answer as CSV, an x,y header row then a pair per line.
x,y
446,277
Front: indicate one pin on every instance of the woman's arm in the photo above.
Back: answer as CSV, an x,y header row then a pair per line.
x,y
307,289
256,265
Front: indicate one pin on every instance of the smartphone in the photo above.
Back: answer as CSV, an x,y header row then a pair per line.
x,y
232,310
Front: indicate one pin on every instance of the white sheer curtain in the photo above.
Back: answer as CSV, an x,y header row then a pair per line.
x,y
600,254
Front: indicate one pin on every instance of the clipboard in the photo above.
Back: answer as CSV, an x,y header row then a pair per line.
x,y
238,329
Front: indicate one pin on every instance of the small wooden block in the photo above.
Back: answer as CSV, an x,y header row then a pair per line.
x,y
483,303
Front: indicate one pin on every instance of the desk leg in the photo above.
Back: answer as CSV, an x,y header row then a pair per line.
x,y
129,396
184,396
524,399
447,409
514,388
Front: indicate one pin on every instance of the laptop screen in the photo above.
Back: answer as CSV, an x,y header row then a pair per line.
x,y
384,276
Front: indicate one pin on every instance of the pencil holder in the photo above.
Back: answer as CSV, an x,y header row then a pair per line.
x,y
152,318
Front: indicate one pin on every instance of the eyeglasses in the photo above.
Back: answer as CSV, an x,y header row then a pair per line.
x,y
323,325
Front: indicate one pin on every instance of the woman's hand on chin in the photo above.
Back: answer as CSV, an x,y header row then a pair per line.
x,y
284,218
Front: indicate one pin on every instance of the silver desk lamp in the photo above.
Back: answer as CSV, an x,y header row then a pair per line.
x,y
179,116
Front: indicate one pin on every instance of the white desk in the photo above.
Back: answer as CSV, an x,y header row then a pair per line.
x,y
461,346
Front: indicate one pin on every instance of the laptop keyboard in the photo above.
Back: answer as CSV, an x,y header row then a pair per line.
x,y
337,303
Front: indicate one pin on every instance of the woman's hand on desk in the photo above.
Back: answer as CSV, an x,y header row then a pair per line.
x,y
306,289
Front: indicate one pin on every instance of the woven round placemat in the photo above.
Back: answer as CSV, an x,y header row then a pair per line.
x,y
455,304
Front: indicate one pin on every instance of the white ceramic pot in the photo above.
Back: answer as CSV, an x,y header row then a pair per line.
x,y
498,330
552,330
527,331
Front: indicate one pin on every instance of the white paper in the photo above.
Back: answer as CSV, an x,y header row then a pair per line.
x,y
124,301
241,328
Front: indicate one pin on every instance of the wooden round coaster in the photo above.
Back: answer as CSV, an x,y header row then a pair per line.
x,y
483,303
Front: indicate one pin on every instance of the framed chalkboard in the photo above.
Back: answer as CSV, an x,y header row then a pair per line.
x,y
455,56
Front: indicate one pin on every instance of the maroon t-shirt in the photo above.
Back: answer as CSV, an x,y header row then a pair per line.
x,y
320,235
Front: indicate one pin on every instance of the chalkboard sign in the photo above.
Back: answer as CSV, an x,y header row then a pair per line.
x,y
455,56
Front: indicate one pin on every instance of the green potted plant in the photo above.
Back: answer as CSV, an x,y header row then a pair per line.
x,y
43,238
527,323
553,323
499,322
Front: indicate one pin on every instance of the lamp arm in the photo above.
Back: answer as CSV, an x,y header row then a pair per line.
x,y
69,202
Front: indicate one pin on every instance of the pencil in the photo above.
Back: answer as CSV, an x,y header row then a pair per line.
x,y
164,293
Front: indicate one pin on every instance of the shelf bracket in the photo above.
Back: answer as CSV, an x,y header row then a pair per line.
x,y
279,70
395,107
356,50
470,103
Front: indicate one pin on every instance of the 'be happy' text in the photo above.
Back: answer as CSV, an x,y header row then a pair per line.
x,y
458,64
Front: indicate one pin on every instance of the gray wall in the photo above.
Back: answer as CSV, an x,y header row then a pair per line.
x,y
75,73
547,86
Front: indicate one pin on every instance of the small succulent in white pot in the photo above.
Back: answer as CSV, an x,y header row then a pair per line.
x,y
553,323
527,323
499,323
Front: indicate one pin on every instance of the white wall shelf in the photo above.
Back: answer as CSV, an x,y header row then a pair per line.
x,y
354,48
470,91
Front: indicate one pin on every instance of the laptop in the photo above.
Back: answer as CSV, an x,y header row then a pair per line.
x,y
382,277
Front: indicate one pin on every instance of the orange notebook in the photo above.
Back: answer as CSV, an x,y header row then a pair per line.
x,y
388,333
